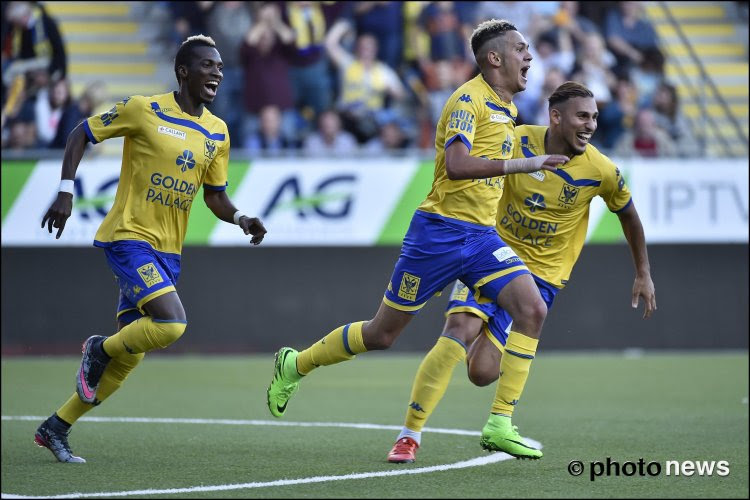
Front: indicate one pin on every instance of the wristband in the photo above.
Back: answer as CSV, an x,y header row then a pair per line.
x,y
237,216
66,186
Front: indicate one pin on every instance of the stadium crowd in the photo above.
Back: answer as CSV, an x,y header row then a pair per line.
x,y
337,77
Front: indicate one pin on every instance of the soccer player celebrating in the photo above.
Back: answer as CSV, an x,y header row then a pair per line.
x,y
543,217
452,233
173,145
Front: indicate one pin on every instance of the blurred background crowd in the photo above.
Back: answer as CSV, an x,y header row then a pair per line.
x,y
339,77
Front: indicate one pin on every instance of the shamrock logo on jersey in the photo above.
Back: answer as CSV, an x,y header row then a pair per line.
x,y
535,201
185,161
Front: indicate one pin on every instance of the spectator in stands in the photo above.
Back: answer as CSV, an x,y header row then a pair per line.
x,y
366,83
188,18
329,138
531,18
21,129
442,23
266,72
33,42
593,68
568,18
668,117
93,96
391,139
227,24
311,82
552,79
552,50
384,21
645,139
617,116
630,36
269,140
441,78
51,103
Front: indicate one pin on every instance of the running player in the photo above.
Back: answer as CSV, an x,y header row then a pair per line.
x,y
544,218
452,233
173,146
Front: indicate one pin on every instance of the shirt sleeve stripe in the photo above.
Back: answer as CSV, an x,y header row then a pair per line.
x,y
215,188
458,136
630,202
89,133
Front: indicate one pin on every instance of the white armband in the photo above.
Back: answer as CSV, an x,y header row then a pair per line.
x,y
236,217
66,186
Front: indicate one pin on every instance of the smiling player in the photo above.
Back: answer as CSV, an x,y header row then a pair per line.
x,y
543,216
452,233
173,146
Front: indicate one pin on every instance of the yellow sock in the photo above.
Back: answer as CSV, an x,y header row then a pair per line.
x,y
342,344
514,370
114,375
432,380
143,335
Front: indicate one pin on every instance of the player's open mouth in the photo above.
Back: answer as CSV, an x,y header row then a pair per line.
x,y
211,87
584,136
524,71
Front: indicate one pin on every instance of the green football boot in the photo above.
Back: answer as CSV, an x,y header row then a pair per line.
x,y
499,434
281,388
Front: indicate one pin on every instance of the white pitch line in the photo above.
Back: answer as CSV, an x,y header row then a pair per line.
x,y
223,421
474,462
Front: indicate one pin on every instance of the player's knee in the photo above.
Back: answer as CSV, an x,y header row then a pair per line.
x,y
382,340
532,315
169,331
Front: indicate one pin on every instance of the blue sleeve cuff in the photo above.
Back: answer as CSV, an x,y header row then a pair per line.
x,y
458,136
89,134
215,188
630,202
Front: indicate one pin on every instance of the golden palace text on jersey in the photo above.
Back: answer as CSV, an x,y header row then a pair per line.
x,y
476,116
544,215
167,156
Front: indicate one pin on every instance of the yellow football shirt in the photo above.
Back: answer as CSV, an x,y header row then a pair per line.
x,y
475,115
544,215
167,156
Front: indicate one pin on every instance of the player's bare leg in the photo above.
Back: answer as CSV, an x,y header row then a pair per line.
x,y
342,344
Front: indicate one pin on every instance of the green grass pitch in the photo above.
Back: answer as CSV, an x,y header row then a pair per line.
x,y
580,406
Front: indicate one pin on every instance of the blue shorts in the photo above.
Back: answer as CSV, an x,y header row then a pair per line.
x,y
438,250
142,274
497,320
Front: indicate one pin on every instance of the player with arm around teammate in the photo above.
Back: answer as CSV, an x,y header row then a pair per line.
x,y
543,216
173,146
452,233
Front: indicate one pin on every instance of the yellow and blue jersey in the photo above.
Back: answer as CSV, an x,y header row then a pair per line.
x,y
167,156
475,115
544,215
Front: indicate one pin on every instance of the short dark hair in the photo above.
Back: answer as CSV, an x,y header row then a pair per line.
x,y
185,52
488,30
568,90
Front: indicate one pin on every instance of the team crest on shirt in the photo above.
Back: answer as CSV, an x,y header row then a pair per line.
x,y
409,287
508,145
460,292
210,150
568,194
149,274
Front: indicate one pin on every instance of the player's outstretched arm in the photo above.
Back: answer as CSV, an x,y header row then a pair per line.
x,y
222,207
459,164
643,286
61,208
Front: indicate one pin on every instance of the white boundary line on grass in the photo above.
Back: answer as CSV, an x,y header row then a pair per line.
x,y
474,462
